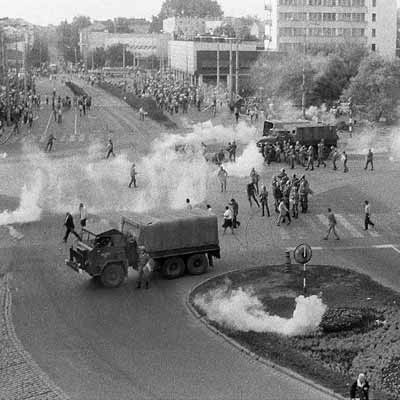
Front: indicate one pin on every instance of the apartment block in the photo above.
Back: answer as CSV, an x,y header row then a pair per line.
x,y
301,24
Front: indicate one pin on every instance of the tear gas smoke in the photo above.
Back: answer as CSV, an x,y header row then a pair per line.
x,y
166,177
241,310
28,209
250,158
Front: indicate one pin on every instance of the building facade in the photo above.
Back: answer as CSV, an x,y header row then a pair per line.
x,y
300,24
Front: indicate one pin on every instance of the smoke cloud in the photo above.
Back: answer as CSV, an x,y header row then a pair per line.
x,y
241,310
166,177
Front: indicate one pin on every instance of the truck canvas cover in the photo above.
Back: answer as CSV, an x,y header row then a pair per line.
x,y
173,229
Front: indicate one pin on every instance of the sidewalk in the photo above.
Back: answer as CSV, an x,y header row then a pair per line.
x,y
20,377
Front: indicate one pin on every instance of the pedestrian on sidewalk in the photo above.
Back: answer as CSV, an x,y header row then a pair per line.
x,y
133,176
360,389
70,227
367,215
50,141
228,220
331,225
264,201
369,160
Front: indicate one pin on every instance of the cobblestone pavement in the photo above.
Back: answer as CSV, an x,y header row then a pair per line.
x,y
20,377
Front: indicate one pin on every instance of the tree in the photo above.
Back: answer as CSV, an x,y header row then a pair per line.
x,y
376,87
190,8
114,56
225,30
99,57
39,53
156,24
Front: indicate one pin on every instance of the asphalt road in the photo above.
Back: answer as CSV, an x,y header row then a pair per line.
x,y
130,344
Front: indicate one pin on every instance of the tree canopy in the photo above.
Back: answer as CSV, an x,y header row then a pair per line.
x,y
190,8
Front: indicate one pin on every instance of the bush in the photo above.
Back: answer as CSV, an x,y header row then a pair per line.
x,y
346,319
149,105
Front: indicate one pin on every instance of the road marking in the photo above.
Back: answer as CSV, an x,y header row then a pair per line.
x,y
343,221
374,246
356,219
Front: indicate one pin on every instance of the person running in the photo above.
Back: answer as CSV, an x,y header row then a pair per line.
x,y
110,149
222,177
50,141
133,176
251,194
367,215
264,201
369,160
228,220
331,225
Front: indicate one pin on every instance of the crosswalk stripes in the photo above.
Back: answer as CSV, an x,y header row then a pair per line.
x,y
357,220
347,225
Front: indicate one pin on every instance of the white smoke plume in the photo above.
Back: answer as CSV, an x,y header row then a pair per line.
x,y
241,310
166,177
28,209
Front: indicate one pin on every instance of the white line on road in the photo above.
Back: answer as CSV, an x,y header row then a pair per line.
x,y
374,246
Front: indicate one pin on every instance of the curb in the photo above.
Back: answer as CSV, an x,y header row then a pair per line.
x,y
17,345
250,354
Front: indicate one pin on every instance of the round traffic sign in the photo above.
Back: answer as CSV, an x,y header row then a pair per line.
x,y
303,253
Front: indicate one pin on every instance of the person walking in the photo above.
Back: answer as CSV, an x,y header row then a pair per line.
x,y
344,158
251,194
228,220
70,227
110,149
283,213
369,160
82,215
310,158
294,201
264,201
255,177
331,225
50,141
235,211
222,177
320,153
359,390
367,215
133,176
188,205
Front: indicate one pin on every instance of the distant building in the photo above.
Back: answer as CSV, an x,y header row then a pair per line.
x,y
196,61
294,24
142,45
184,27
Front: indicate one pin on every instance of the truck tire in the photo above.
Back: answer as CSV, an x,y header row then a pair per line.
x,y
197,264
173,267
113,275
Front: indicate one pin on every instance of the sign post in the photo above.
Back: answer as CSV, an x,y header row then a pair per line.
x,y
303,254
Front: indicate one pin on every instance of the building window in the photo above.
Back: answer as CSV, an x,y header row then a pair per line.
x,y
329,17
373,32
344,3
358,3
373,3
373,47
315,17
373,17
358,17
344,17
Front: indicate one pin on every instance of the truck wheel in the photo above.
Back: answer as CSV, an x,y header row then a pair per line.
x,y
197,264
113,275
173,267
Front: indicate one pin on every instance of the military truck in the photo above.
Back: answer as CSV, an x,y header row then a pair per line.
x,y
308,133
179,242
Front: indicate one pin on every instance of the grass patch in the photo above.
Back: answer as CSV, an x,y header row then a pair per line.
x,y
149,105
360,331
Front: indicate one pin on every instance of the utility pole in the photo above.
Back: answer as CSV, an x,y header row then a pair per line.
x,y
303,83
237,67
230,72
123,56
92,60
218,75
76,56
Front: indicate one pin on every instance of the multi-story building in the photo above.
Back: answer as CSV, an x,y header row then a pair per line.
x,y
301,24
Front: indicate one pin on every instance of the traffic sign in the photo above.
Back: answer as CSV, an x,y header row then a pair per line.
x,y
303,253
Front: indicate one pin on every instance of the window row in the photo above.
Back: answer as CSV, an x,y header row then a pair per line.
x,y
326,17
326,3
312,32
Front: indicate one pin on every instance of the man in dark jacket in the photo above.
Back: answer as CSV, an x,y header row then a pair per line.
x,y
251,194
69,224
360,389
235,210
